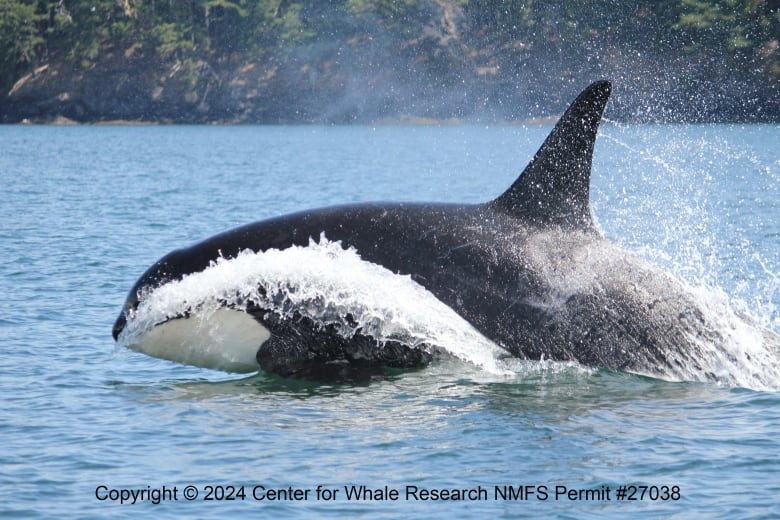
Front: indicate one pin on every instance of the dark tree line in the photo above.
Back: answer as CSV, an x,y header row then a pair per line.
x,y
448,39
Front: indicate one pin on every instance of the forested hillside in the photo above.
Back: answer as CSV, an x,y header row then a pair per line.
x,y
339,61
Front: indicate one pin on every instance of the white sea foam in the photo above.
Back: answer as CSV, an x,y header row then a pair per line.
x,y
747,354
329,284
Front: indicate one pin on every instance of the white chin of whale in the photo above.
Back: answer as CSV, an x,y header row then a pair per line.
x,y
223,339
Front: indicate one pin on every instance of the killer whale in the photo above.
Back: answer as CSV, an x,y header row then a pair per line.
x,y
529,270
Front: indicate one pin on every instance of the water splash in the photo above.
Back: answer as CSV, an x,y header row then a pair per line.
x,y
741,351
329,284
698,202
678,196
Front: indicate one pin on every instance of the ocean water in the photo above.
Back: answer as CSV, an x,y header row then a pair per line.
x,y
89,430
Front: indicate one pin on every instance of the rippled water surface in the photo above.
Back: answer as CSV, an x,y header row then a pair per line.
x,y
85,210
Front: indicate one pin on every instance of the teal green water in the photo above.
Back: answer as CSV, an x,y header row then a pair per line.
x,y
85,210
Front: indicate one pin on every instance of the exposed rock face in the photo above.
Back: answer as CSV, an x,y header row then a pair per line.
x,y
124,89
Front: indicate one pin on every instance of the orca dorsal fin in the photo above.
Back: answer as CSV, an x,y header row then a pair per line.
x,y
554,189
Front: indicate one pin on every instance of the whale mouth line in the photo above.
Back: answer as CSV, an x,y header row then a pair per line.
x,y
225,339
